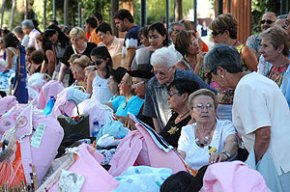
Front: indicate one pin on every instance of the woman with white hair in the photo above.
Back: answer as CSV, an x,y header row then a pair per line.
x,y
79,46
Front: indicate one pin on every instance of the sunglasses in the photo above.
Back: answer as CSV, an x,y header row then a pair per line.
x,y
267,21
286,26
97,62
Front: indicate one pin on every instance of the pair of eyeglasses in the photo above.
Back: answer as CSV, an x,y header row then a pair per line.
x,y
208,75
267,21
162,73
201,107
97,62
137,84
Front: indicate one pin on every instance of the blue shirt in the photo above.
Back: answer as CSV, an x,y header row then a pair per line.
x,y
121,107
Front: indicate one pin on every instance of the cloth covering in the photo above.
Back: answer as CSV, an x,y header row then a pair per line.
x,y
238,178
142,179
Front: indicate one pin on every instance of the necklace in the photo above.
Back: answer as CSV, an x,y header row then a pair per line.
x,y
203,138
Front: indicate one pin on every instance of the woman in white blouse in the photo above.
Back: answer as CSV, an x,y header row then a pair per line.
x,y
208,140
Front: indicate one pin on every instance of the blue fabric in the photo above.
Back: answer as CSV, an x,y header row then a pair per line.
x,y
267,168
133,105
20,81
142,179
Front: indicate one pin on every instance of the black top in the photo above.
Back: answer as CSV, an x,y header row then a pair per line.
x,y
171,132
69,51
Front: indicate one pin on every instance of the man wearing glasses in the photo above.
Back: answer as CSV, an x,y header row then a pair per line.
x,y
254,41
156,105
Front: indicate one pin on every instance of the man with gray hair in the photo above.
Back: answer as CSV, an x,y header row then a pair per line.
x,y
29,29
156,105
254,41
21,36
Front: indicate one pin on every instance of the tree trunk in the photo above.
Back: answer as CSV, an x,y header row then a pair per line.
x,y
178,10
12,14
65,12
26,9
44,13
2,12
114,9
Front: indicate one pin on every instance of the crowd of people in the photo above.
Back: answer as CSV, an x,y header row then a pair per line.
x,y
230,102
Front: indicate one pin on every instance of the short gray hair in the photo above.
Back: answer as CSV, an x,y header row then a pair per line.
x,y
28,24
18,29
165,56
225,56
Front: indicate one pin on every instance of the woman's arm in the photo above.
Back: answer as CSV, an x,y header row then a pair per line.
x,y
230,149
9,59
63,67
249,58
89,82
262,142
50,61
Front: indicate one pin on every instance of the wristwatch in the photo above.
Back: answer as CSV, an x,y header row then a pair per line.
x,y
227,154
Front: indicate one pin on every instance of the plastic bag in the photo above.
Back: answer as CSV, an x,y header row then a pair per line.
x,y
11,169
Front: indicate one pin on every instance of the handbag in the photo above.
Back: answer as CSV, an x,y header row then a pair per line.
x,y
75,125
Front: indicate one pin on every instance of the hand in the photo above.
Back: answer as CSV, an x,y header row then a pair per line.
x,y
217,157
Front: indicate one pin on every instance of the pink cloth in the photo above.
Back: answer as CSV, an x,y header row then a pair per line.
x,y
138,148
7,103
51,88
62,104
96,177
233,176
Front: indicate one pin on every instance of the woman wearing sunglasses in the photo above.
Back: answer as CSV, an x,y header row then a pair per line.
x,y
208,140
97,81
224,31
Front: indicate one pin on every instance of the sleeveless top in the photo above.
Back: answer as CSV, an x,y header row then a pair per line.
x,y
101,91
14,58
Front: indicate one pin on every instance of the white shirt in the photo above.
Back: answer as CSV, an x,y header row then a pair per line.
x,y
258,102
101,91
32,39
196,156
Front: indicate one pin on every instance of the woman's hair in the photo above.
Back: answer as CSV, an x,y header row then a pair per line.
x,y
183,40
62,38
73,57
10,40
225,56
277,37
225,22
165,56
201,92
143,31
77,32
159,27
102,52
184,86
83,61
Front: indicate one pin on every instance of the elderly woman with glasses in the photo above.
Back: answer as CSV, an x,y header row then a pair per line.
x,y
127,101
260,114
208,140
